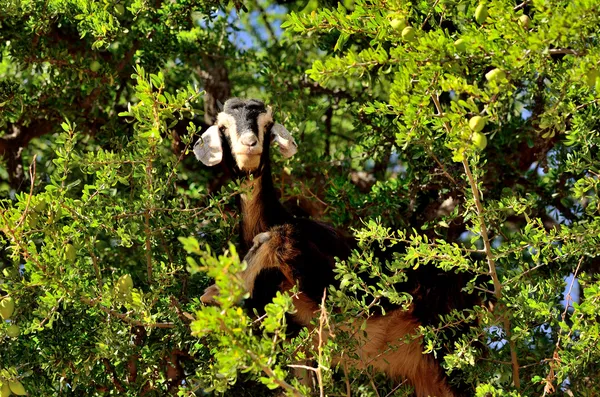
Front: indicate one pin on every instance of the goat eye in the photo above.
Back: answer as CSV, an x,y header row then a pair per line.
x,y
222,128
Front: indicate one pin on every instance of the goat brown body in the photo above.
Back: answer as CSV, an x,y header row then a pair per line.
x,y
389,343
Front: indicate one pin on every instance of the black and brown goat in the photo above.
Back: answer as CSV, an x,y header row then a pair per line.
x,y
287,251
241,139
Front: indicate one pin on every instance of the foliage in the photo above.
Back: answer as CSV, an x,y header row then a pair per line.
x,y
100,102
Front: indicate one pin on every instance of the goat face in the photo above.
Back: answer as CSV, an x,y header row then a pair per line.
x,y
247,127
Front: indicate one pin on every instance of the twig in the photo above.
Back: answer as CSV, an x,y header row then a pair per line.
x,y
346,379
95,264
558,51
549,388
147,230
439,163
148,245
587,104
52,311
124,317
372,383
429,13
396,388
115,380
269,372
307,189
180,313
523,4
488,252
323,319
263,15
301,366
525,273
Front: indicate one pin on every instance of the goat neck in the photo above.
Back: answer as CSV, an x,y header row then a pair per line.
x,y
260,206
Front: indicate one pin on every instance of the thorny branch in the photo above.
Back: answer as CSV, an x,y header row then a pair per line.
x,y
488,252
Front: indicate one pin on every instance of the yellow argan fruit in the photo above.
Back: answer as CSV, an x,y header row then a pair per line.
x,y
17,388
477,123
460,45
495,75
408,33
479,140
524,21
481,13
70,253
124,286
5,390
13,331
7,307
592,76
398,24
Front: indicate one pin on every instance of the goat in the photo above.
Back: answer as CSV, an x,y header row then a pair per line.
x,y
241,140
284,251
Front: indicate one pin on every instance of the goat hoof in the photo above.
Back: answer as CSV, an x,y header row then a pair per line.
x,y
208,298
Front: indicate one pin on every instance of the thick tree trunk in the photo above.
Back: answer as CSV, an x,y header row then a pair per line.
x,y
217,87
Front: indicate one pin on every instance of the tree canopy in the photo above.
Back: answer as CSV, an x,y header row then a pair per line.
x,y
466,130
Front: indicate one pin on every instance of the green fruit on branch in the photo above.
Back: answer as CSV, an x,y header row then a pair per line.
x,y
398,24
477,123
592,77
460,45
124,286
119,9
408,33
7,307
481,13
95,66
524,21
495,75
13,331
17,388
479,140
70,253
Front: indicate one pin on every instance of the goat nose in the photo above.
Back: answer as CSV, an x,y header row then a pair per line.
x,y
249,140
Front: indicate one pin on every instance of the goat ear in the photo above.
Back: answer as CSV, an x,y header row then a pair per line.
x,y
208,149
285,140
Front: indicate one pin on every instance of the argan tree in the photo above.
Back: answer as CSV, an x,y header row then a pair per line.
x,y
466,132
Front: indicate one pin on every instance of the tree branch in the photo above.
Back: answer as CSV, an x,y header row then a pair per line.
x,y
488,253
113,373
124,317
